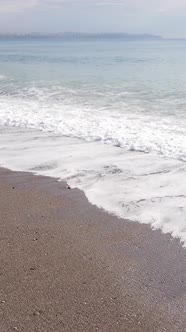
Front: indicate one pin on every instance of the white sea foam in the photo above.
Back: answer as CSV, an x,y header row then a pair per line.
x,y
2,77
141,187
122,123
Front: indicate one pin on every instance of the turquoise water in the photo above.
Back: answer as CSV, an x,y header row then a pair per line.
x,y
129,85
99,95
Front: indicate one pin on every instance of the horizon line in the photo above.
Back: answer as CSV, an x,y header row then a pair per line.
x,y
89,34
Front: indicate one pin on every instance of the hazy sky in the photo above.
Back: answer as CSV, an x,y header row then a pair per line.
x,y
165,17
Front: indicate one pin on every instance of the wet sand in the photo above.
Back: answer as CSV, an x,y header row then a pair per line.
x,y
66,266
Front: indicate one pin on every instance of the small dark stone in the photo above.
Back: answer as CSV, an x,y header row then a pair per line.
x,y
37,313
32,269
13,187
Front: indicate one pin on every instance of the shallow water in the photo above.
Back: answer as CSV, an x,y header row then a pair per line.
x,y
60,101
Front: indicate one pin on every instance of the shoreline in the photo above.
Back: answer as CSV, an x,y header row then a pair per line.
x,y
66,265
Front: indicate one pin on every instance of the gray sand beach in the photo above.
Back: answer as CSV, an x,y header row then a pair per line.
x,y
68,266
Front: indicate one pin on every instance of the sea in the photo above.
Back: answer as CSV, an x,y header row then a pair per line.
x,y
106,115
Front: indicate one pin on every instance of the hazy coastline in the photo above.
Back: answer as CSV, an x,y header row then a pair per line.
x,y
80,35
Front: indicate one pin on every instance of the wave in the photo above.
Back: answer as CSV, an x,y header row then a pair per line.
x,y
120,124
139,187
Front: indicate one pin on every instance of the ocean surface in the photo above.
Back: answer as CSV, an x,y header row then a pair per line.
x,y
107,116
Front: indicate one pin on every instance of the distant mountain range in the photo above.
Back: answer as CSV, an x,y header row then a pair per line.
x,y
77,35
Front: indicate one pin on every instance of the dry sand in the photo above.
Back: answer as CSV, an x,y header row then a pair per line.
x,y
67,266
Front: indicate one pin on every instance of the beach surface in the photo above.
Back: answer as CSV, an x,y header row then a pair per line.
x,y
67,266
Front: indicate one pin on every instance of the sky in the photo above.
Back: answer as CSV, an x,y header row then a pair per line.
x,y
162,17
